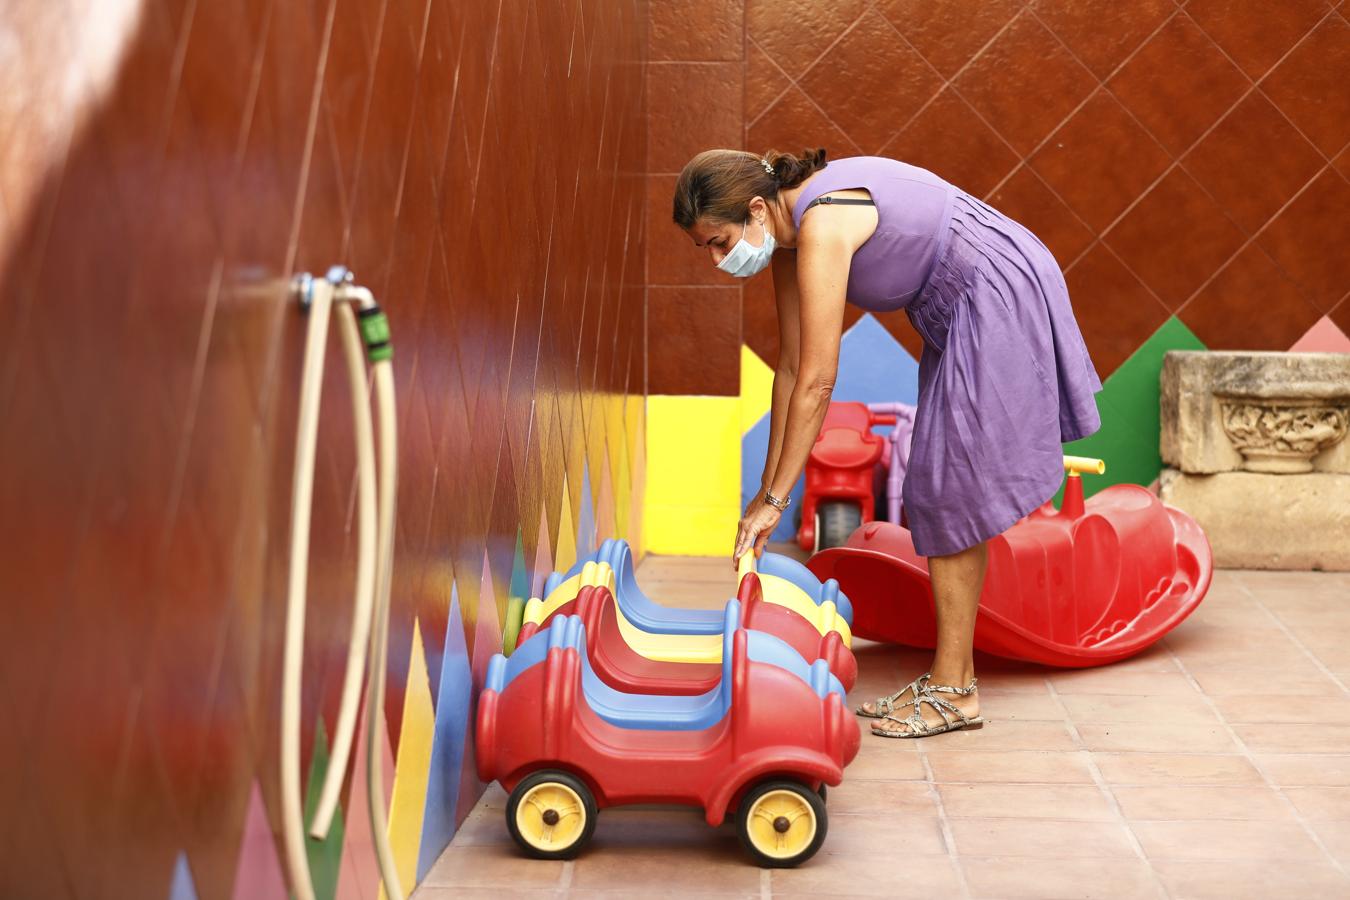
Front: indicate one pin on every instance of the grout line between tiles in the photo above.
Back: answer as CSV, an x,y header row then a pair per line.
x,y
948,838
1261,770
1279,623
564,885
1105,787
765,884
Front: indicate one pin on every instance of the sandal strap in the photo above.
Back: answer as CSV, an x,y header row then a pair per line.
x,y
948,689
888,702
915,721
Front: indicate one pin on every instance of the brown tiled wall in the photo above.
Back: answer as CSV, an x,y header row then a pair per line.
x,y
1184,158
479,165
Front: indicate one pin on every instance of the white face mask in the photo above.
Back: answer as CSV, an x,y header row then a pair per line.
x,y
745,259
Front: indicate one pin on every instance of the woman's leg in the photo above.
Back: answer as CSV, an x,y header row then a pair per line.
x,y
957,581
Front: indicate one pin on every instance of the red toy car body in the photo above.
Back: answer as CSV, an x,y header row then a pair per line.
x,y
840,489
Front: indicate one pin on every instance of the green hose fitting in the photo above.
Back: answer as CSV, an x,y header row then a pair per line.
x,y
375,332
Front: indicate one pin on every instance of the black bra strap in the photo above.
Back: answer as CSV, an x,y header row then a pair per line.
x,y
851,201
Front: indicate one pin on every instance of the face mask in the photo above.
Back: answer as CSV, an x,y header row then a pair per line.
x,y
745,259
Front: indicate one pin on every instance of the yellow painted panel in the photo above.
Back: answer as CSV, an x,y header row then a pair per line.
x,y
690,530
756,388
694,451
411,769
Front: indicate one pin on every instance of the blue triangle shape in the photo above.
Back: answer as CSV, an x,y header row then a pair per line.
x,y
453,704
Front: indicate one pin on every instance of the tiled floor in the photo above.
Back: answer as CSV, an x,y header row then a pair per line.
x,y
1215,765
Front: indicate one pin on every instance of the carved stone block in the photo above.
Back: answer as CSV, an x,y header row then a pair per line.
x,y
1263,521
1258,412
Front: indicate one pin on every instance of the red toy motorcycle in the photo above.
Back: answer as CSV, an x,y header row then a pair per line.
x,y
843,482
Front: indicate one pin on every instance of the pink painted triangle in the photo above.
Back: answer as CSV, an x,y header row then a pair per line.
x,y
359,877
1323,337
258,875
487,630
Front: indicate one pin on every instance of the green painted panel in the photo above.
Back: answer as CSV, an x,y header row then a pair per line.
x,y
325,856
1128,403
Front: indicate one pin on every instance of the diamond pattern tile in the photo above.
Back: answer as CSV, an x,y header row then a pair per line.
x,y
1178,84
1309,84
1025,83
948,135
1103,33
1308,239
949,33
1255,36
1249,305
871,82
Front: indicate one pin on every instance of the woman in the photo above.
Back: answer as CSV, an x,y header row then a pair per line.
x,y
1004,376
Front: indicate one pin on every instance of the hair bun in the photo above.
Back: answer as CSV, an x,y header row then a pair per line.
x,y
790,170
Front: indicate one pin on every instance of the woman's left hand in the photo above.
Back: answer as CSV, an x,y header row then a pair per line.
x,y
754,531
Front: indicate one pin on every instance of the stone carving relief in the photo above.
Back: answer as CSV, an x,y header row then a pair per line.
x,y
1282,435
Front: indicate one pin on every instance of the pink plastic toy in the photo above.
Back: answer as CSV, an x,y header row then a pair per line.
x,y
1086,585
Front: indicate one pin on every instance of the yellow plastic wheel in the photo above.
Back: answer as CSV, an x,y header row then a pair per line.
x,y
782,823
551,815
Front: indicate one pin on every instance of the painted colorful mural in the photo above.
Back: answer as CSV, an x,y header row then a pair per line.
x,y
167,166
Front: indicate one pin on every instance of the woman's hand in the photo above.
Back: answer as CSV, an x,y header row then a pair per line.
x,y
755,528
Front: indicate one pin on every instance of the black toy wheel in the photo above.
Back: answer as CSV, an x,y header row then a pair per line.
x,y
782,823
551,815
835,522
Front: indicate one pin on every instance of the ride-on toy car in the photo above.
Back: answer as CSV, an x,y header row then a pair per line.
x,y
622,667
759,746
1087,584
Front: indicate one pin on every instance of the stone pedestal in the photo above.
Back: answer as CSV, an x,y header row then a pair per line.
x,y
1257,454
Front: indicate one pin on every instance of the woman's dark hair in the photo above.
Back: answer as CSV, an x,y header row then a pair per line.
x,y
718,185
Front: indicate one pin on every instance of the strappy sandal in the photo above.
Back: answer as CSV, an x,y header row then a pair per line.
x,y
884,706
952,717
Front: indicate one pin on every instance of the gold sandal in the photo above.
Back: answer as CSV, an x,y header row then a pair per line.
x,y
919,727
884,706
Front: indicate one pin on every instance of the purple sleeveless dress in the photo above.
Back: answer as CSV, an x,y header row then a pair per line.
x,y
1004,377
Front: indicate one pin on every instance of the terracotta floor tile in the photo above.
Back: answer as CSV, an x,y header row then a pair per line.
x,y
1226,839
1158,738
656,827
1316,770
720,866
1007,735
1284,707
1295,738
1022,706
1175,768
1179,801
1336,838
483,826
1115,708
885,758
1229,682
1014,766
1323,804
1035,801
1109,680
883,798
1040,837
1250,879
1010,878
491,865
844,874
882,833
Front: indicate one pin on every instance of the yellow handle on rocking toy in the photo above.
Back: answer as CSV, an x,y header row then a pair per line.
x,y
1079,465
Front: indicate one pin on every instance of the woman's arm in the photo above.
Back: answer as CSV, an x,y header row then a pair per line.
x,y
789,353
821,279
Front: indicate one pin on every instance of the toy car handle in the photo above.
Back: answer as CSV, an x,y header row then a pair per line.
x,y
1080,465
883,419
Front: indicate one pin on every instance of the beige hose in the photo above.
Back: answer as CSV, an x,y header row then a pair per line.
x,y
379,639
302,492
364,600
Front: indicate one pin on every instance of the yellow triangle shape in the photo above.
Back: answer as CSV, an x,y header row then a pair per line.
x,y
566,554
756,388
412,768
